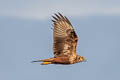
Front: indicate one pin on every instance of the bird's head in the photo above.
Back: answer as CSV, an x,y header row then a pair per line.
x,y
80,58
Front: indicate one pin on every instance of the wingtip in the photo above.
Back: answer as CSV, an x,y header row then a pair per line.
x,y
59,13
52,20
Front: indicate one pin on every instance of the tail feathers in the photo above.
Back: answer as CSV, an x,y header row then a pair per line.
x,y
36,61
45,62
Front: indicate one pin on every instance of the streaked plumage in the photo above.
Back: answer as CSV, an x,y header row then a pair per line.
x,y
65,42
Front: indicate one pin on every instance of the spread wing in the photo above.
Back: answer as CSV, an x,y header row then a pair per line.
x,y
65,38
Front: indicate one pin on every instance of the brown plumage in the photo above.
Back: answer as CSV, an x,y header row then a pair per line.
x,y
65,42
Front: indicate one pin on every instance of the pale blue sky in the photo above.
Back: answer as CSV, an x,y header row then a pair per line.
x,y
25,35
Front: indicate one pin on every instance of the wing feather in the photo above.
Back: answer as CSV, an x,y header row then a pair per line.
x,y
65,38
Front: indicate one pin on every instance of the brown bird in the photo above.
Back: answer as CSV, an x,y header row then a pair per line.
x,y
65,42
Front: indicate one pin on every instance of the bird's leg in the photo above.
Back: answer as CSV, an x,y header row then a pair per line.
x,y
47,61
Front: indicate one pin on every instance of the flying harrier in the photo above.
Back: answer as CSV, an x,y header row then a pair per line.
x,y
65,42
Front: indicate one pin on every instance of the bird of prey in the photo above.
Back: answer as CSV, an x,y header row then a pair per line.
x,y
65,42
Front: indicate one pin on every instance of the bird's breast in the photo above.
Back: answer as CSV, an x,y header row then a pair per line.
x,y
72,59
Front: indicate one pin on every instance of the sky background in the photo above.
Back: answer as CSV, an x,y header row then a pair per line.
x,y
26,35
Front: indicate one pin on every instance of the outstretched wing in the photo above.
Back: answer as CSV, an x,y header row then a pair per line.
x,y
65,38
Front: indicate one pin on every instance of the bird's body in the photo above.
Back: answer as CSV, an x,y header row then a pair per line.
x,y
65,42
